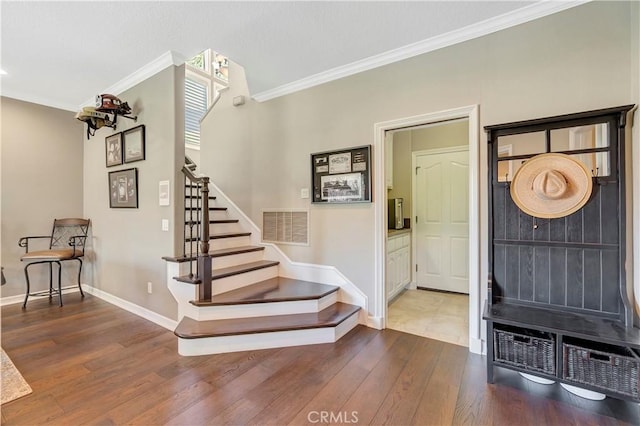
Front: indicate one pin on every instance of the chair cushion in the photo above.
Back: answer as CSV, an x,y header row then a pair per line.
x,y
58,254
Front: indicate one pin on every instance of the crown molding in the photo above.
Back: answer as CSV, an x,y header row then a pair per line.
x,y
160,63
26,97
489,26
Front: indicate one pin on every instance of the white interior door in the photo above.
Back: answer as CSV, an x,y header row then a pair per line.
x,y
442,225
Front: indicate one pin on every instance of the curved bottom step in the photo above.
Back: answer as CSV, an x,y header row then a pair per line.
x,y
242,334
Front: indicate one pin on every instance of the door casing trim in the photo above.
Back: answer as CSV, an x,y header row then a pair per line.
x,y
476,179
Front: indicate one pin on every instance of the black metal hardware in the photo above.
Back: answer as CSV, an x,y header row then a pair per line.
x,y
196,221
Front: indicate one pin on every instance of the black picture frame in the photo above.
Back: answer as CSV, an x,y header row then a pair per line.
x,y
342,176
113,150
133,144
123,189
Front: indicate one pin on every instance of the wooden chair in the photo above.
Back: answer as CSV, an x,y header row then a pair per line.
x,y
66,242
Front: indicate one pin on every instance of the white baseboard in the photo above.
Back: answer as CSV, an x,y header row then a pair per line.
x,y
19,298
145,313
11,300
374,322
477,346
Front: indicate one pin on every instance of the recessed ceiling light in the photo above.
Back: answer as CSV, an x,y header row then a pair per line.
x,y
2,72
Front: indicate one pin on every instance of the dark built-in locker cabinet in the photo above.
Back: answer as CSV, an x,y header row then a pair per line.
x,y
559,305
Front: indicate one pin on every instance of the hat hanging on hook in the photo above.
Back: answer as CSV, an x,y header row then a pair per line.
x,y
551,185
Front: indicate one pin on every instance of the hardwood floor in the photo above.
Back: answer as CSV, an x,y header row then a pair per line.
x,y
92,363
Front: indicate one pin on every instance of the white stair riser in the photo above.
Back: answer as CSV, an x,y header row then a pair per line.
x,y
222,243
242,280
236,259
213,215
226,261
250,310
221,228
280,339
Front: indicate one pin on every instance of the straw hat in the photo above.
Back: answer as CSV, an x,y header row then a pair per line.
x,y
551,186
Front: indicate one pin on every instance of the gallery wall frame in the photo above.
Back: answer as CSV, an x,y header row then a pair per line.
x,y
134,144
113,149
342,176
123,188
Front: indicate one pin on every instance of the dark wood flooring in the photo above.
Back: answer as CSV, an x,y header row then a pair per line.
x,y
90,362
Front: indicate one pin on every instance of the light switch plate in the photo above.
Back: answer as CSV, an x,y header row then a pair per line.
x,y
165,224
304,193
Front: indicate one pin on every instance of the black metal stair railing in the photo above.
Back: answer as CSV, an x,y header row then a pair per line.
x,y
196,228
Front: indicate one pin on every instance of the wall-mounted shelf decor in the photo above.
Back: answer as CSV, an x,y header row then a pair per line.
x,y
133,144
123,188
342,176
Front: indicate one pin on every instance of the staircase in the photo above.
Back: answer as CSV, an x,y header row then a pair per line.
x,y
234,294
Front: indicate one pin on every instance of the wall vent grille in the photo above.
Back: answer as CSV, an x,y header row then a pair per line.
x,y
285,226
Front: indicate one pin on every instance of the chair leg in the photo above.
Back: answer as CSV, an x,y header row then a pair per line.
x,y
80,273
50,281
60,282
26,296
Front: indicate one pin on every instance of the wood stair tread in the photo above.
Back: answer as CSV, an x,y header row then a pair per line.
x,y
330,317
212,221
229,235
211,197
216,253
278,289
220,236
234,250
241,269
210,208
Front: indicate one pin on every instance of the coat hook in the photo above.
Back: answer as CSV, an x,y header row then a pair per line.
x,y
596,175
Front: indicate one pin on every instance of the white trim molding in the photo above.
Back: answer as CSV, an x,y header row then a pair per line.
x,y
138,310
26,97
476,180
152,68
19,298
145,313
488,26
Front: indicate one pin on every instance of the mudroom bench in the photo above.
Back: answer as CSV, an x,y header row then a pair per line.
x,y
560,302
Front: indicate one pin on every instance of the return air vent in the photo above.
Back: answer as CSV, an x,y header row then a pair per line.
x,y
285,226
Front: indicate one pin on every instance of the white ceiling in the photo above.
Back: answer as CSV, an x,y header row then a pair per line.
x,y
63,53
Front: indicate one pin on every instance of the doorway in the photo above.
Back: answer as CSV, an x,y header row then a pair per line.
x,y
475,255
430,174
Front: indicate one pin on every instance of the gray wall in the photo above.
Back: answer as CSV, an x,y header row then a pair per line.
x,y
259,153
129,243
42,153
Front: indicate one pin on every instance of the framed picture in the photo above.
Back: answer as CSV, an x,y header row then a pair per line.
x,y
342,176
123,188
113,149
133,140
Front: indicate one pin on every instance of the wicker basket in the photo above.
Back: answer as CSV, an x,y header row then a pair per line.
x,y
611,368
528,349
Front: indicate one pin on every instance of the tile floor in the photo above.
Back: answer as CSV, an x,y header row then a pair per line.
x,y
432,314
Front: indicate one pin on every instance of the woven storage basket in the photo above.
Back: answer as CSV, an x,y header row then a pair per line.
x,y
611,368
527,349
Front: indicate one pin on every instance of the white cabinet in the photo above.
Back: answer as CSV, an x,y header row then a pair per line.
x,y
398,263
